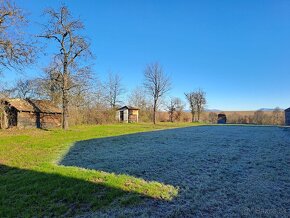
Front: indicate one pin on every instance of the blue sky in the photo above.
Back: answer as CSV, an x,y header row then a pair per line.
x,y
237,51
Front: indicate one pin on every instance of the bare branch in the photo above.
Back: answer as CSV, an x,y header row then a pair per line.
x,y
16,50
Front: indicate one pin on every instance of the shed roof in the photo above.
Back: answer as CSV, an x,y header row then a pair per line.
x,y
128,107
288,109
31,105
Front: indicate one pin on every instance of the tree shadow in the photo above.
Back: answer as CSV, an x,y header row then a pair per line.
x,y
132,154
205,162
27,193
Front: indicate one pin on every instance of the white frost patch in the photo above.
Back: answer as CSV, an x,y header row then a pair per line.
x,y
220,170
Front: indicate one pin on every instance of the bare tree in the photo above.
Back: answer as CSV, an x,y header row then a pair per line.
x,y
171,108
64,30
200,101
16,50
174,108
156,83
192,104
197,101
179,109
113,90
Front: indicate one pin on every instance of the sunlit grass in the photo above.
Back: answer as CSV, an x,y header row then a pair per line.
x,y
33,184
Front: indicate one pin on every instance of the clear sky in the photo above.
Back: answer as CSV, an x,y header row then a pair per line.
x,y
237,51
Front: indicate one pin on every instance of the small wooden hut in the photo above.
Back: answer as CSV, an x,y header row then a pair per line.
x,y
287,117
222,119
27,113
128,114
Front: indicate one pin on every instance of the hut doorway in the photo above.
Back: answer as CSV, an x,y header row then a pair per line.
x,y
2,119
38,123
121,115
12,117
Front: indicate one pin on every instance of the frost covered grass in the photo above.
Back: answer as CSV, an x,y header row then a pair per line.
x,y
220,171
33,185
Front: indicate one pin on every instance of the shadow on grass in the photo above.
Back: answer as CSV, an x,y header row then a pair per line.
x,y
220,170
26,193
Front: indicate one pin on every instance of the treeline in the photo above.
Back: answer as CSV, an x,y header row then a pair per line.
x,y
259,117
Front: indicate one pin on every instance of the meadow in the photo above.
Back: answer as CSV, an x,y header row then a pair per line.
x,y
129,170
33,184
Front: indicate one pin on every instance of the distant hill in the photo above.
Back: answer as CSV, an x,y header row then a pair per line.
x,y
212,110
249,111
266,109
269,109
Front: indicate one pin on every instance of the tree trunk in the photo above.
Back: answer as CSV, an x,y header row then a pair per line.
x,y
171,117
193,116
64,110
154,111
65,98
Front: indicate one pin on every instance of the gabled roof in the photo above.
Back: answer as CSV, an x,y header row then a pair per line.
x,y
287,110
30,105
128,107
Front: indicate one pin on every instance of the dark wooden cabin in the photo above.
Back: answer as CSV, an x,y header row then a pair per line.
x,y
287,117
27,113
222,119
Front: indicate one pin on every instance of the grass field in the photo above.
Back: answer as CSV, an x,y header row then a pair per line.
x,y
33,184
131,170
220,171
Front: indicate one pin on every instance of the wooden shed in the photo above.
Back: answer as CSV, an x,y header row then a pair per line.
x,y
27,113
128,114
222,119
287,117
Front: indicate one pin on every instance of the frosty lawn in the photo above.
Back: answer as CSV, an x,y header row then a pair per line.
x,y
219,170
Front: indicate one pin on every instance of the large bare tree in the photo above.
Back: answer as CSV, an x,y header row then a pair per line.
x,y
71,46
157,84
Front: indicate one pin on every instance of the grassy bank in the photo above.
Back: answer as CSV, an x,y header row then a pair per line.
x,y
33,184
